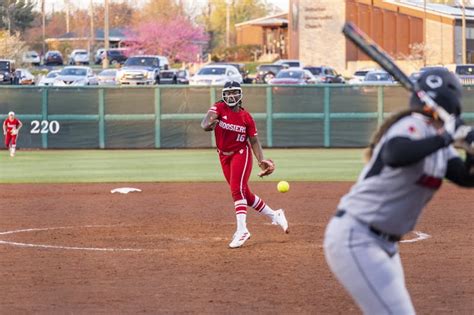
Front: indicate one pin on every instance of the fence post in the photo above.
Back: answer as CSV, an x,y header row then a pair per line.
x,y
380,105
157,118
327,118
44,114
101,119
269,106
213,101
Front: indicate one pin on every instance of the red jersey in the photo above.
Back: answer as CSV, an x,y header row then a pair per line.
x,y
11,124
234,128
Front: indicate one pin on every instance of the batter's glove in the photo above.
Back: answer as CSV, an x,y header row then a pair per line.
x,y
14,132
464,139
267,167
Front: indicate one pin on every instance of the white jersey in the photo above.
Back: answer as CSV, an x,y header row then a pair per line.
x,y
391,199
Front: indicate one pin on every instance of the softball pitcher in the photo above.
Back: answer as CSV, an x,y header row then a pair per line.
x,y
11,127
236,136
409,155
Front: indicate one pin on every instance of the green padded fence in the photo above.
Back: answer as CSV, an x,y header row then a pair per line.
x,y
169,116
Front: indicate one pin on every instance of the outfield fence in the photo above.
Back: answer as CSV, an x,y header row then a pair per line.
x,y
169,116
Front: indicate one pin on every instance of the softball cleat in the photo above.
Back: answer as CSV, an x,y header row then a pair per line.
x,y
239,238
280,219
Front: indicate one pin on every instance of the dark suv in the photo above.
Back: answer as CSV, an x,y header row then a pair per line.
x,y
7,70
465,73
53,57
265,73
325,74
115,56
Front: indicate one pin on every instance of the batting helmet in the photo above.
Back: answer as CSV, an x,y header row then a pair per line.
x,y
232,93
444,88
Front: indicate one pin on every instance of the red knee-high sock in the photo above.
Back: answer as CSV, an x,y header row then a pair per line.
x,y
260,206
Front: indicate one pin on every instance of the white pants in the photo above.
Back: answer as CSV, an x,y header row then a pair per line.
x,y
367,266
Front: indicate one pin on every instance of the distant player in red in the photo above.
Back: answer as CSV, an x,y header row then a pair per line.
x,y
11,127
236,136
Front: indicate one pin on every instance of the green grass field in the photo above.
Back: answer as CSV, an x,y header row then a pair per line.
x,y
73,166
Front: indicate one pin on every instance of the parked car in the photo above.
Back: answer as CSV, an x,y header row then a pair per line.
x,y
378,77
325,74
114,55
216,75
183,77
169,76
164,63
433,68
414,76
7,71
31,57
78,57
49,78
465,73
107,77
23,77
98,56
359,75
267,72
294,76
289,63
53,57
76,76
241,67
140,70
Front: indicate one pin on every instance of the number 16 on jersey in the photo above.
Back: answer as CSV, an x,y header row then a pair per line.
x,y
241,138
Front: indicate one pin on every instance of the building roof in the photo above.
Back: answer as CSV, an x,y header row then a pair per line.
x,y
115,35
271,20
435,8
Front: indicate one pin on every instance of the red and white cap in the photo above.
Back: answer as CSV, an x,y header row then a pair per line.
x,y
11,114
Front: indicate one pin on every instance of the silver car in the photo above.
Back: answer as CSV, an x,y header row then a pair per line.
x,y
107,77
76,76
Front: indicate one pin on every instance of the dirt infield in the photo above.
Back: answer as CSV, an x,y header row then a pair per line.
x,y
164,250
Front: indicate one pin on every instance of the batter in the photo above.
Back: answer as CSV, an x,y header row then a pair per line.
x,y
410,155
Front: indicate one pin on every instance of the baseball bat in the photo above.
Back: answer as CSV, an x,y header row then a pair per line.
x,y
377,54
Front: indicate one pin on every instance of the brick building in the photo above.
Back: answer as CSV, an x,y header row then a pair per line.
x,y
413,35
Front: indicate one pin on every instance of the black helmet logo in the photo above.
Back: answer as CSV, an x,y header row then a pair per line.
x,y
434,81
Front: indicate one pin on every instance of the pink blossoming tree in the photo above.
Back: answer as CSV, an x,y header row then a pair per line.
x,y
177,38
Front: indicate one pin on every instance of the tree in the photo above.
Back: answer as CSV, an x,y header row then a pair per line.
x,y
160,10
213,17
16,15
120,15
11,46
177,38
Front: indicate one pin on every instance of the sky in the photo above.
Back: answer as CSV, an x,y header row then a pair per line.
x,y
59,4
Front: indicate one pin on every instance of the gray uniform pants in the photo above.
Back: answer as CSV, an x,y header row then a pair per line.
x,y
367,266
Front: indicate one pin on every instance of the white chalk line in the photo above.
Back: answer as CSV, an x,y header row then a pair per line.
x,y
419,237
19,244
47,246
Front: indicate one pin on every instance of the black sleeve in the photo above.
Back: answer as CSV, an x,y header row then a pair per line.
x,y
403,151
459,172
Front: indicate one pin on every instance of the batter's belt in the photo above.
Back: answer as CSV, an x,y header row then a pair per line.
x,y
385,236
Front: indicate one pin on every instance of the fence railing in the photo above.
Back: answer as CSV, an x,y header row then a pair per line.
x,y
169,116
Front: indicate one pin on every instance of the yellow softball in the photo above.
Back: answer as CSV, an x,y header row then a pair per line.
x,y
283,186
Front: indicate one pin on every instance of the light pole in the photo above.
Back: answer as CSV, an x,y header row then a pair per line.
x,y
424,33
463,32
43,27
91,35
227,23
67,4
105,61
